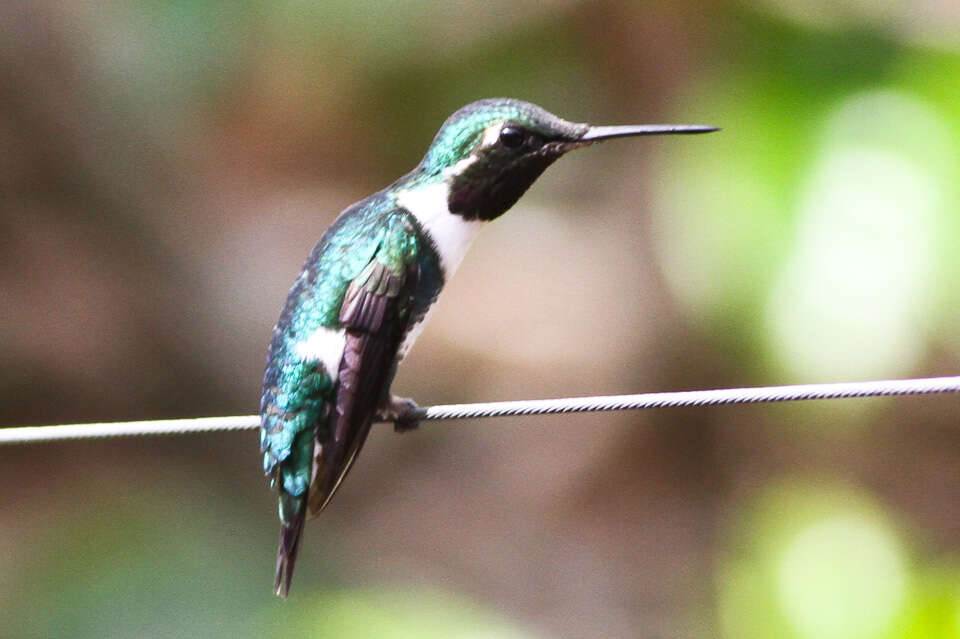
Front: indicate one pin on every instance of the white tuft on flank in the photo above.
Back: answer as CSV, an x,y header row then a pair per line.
x,y
451,234
326,346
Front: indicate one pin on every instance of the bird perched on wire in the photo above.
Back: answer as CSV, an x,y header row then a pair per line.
x,y
366,289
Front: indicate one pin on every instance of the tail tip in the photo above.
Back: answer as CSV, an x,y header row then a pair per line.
x,y
281,586
290,535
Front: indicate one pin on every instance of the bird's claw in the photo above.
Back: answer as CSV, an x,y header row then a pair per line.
x,y
402,411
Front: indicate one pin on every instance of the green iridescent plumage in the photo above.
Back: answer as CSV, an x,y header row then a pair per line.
x,y
296,391
460,134
371,247
367,286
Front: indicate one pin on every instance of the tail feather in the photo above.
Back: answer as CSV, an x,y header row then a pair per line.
x,y
290,536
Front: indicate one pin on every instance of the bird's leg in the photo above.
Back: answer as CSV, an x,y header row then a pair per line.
x,y
402,411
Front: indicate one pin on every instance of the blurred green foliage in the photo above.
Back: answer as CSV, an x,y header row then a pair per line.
x,y
811,560
747,238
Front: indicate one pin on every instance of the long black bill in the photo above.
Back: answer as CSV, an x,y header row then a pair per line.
x,y
595,133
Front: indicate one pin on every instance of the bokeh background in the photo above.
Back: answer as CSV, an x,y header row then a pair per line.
x,y
166,165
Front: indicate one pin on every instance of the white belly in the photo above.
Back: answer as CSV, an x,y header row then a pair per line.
x,y
451,235
412,334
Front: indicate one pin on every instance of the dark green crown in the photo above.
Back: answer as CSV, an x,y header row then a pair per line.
x,y
462,132
491,151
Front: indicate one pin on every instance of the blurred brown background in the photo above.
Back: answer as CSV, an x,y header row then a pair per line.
x,y
166,166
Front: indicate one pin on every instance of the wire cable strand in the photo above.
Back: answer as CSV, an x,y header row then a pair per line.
x,y
879,388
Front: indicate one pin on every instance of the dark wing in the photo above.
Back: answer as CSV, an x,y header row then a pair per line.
x,y
305,440
375,316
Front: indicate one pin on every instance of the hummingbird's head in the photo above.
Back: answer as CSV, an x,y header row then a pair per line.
x,y
491,151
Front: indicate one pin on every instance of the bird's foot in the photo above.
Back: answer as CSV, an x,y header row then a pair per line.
x,y
402,411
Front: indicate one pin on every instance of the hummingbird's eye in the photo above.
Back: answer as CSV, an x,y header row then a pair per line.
x,y
512,136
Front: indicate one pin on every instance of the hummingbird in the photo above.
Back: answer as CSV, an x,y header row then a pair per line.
x,y
366,290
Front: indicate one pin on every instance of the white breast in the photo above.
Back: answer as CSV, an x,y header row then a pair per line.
x,y
451,234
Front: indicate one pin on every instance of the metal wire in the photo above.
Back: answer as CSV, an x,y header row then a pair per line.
x,y
757,395
880,388
28,434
